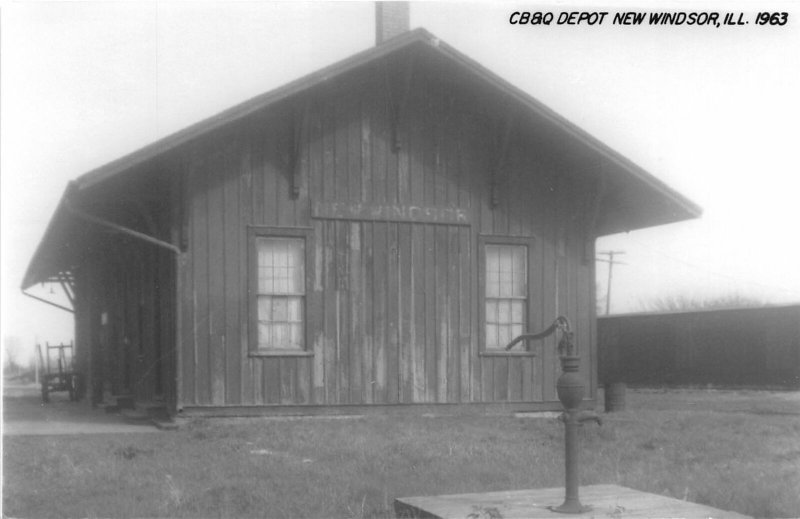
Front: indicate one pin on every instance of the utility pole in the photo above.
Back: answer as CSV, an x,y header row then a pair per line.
x,y
611,262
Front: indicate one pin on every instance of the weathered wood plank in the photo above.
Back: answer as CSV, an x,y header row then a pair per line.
x,y
272,379
406,345
367,314
442,312
549,312
380,284
317,315
380,149
428,153
418,290
354,167
453,325
393,316
403,171
302,203
232,252
328,151
288,381
416,174
302,380
258,201
272,170
431,323
583,297
392,181
341,159
528,366
355,311
216,278
501,379
593,338
366,113
316,152
284,201
476,384
187,296
343,343
145,381
200,252
515,381
330,321
245,216
258,211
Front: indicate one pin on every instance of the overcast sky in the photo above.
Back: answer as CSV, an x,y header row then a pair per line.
x,y
712,111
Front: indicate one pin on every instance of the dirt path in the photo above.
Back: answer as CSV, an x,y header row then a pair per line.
x,y
25,415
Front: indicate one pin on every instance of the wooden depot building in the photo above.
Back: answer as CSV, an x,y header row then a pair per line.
x,y
366,237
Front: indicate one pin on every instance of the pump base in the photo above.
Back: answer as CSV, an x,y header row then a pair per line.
x,y
570,508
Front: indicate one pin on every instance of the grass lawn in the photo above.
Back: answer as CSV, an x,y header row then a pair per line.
x,y
732,450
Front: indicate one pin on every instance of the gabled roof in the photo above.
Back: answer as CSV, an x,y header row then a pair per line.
x,y
659,204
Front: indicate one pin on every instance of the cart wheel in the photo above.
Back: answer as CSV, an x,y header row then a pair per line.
x,y
45,395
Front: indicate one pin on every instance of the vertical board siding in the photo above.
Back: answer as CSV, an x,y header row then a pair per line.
x,y
216,279
200,293
392,306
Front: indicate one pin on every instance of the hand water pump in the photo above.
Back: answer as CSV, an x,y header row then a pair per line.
x,y
571,390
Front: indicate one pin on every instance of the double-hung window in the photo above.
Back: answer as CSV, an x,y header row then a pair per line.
x,y
279,292
504,292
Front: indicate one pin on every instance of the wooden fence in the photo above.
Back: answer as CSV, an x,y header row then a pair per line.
x,y
739,347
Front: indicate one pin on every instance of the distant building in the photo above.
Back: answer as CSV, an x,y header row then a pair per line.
x,y
368,236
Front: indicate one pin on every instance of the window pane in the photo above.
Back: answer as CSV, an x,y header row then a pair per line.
x,y
296,336
517,311
280,283
516,330
505,259
280,292
264,333
264,308
506,289
491,336
492,271
506,293
280,335
504,335
279,310
504,311
520,270
294,309
281,265
491,311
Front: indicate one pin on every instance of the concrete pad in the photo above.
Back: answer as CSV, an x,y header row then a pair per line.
x,y
606,501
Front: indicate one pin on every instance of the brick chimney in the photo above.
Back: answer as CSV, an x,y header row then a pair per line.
x,y
391,19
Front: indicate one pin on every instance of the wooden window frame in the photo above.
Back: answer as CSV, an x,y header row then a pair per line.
x,y
255,232
530,315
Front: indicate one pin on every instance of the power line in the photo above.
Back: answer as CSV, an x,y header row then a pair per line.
x,y
708,270
611,262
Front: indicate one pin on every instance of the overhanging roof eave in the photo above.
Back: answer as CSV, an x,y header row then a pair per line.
x,y
37,269
691,209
